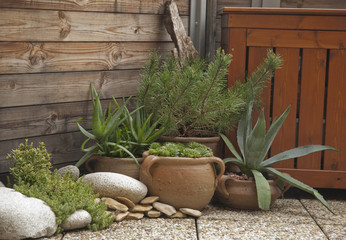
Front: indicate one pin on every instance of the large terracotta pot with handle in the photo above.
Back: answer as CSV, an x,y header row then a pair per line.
x,y
242,194
181,182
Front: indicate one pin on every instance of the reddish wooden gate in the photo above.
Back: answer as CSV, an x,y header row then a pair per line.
x,y
312,80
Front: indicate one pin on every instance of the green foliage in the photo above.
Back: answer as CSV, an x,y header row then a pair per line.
x,y
191,150
117,132
254,144
61,193
192,98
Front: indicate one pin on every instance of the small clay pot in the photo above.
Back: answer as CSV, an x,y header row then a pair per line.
x,y
126,166
214,143
181,182
242,194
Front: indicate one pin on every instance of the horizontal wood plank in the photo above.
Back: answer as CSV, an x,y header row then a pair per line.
x,y
46,88
22,57
336,4
296,38
124,6
318,178
41,120
42,25
62,147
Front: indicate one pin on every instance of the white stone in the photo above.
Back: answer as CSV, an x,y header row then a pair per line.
x,y
164,208
191,212
78,219
113,185
1,184
24,217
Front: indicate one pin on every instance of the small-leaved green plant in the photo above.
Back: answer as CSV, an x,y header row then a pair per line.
x,y
33,178
169,149
254,144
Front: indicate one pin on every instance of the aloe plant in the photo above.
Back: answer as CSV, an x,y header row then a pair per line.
x,y
118,132
254,144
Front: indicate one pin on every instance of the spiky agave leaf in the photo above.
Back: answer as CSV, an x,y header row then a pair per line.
x,y
263,190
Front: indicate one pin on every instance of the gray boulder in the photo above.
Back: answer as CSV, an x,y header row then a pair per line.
x,y
78,219
113,185
24,217
74,171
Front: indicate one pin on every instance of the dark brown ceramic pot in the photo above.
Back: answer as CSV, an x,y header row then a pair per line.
x,y
214,143
181,182
126,166
242,194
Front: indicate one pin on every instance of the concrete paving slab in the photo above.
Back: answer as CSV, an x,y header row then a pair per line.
x,y
334,226
287,219
146,228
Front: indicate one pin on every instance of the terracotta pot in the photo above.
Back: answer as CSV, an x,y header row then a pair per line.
x,y
181,182
214,143
126,166
242,194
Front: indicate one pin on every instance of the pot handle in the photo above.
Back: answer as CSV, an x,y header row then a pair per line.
x,y
219,162
148,163
87,164
222,185
285,187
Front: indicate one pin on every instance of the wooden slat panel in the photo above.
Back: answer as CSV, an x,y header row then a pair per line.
x,y
256,57
294,38
301,22
237,47
318,178
126,6
41,25
337,4
311,104
40,120
336,112
45,88
284,95
18,57
234,3
63,147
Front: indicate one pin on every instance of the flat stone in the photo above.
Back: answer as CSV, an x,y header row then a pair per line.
x,y
191,212
113,185
125,201
97,200
153,214
115,205
74,171
178,214
141,208
121,216
135,216
164,208
78,219
149,200
24,217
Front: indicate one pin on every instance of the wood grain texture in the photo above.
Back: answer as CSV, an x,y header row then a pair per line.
x,y
336,112
22,57
311,105
119,6
293,38
318,178
46,88
46,25
63,147
302,22
285,94
336,4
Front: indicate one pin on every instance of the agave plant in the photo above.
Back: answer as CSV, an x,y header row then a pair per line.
x,y
118,132
254,144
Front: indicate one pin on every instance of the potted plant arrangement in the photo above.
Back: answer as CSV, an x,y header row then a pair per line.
x,y
183,176
256,191
191,99
119,138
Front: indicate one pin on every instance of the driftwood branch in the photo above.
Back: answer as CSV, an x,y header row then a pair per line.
x,y
184,47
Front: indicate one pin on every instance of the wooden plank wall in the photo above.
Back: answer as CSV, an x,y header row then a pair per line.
x,y
50,51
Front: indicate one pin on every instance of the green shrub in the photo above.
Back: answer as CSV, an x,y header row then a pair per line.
x,y
33,178
169,149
